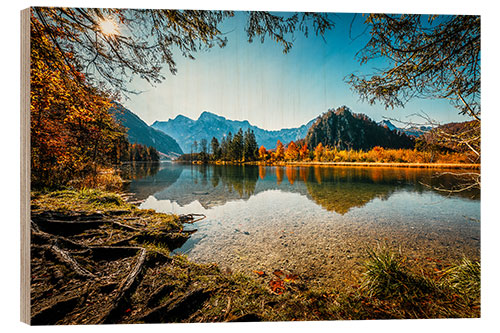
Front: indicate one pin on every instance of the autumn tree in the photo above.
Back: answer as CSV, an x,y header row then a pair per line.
x,y
318,151
291,152
72,133
279,154
262,153
303,152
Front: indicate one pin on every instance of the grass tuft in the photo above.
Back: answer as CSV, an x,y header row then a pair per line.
x,y
465,278
386,276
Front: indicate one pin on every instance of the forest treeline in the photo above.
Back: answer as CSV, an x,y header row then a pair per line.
x,y
339,135
242,148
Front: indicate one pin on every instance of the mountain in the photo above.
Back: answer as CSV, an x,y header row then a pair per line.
x,y
415,131
139,132
186,130
344,129
388,124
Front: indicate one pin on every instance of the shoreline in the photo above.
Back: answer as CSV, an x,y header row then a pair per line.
x,y
468,166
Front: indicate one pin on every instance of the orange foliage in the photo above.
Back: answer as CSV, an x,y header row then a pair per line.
x,y
72,132
279,154
318,151
277,286
262,153
291,152
303,152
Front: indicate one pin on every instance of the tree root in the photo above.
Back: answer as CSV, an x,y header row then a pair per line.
x,y
40,237
159,293
76,241
65,258
126,289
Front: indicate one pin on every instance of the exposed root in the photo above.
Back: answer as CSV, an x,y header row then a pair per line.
x,y
65,258
125,290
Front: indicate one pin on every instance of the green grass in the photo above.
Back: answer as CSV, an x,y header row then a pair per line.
x,y
386,276
90,200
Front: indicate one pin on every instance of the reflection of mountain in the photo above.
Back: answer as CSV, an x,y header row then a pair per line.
x,y
335,189
339,190
211,185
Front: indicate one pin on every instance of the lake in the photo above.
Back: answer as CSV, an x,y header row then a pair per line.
x,y
314,221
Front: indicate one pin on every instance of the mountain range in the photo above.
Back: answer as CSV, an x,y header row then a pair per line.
x,y
340,128
186,130
139,132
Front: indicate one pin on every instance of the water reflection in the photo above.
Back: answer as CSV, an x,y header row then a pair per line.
x,y
314,221
336,189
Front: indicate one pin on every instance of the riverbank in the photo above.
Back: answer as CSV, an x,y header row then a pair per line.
x,y
465,166
98,259
387,165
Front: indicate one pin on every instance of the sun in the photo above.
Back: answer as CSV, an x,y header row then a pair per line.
x,y
108,27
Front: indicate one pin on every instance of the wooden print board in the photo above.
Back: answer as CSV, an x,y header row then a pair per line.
x,y
272,178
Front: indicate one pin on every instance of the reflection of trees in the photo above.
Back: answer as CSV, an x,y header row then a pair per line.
x,y
291,174
336,189
455,184
138,170
241,179
279,175
339,189
153,179
304,173
262,172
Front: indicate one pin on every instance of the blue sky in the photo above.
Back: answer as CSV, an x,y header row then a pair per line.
x,y
257,82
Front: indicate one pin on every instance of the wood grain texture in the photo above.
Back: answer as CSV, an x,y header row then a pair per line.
x,y
25,166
